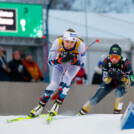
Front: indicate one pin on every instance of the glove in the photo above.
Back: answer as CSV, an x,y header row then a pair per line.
x,y
20,68
72,57
73,60
61,59
77,64
132,80
126,82
69,57
53,62
107,80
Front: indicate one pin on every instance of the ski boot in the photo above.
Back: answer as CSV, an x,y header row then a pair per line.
x,y
82,112
37,110
54,110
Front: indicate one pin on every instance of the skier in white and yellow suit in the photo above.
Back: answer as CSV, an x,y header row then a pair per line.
x,y
67,55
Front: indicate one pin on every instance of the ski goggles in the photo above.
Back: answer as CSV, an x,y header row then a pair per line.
x,y
114,56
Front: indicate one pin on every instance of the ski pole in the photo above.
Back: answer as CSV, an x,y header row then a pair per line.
x,y
97,40
44,37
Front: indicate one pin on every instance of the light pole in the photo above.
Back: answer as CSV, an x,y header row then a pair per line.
x,y
86,37
46,47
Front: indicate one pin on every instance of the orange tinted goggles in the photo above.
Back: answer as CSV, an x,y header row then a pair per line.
x,y
117,57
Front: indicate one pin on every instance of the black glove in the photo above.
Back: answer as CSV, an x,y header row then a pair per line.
x,y
72,58
69,57
62,59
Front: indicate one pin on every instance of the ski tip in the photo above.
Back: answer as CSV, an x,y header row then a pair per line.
x,y
25,118
49,119
15,119
8,121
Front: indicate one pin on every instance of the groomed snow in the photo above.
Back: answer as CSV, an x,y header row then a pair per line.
x,y
89,124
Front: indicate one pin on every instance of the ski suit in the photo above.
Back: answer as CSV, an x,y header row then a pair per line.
x,y
117,73
63,74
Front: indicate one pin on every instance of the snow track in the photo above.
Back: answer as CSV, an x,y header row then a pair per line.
x,y
89,124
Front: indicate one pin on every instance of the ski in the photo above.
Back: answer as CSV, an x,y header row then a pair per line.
x,y
57,117
25,118
51,116
49,119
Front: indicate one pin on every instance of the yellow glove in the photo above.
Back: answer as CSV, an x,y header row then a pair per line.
x,y
126,82
107,80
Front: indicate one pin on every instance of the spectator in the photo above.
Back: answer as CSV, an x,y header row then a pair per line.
x,y
32,67
18,71
97,77
4,70
81,77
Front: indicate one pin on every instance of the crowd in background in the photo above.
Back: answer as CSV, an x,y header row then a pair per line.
x,y
19,69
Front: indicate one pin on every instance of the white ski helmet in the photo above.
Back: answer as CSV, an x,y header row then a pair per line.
x,y
72,36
